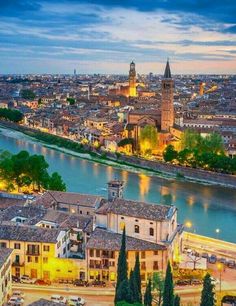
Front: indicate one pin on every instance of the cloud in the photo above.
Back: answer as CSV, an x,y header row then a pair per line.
x,y
105,32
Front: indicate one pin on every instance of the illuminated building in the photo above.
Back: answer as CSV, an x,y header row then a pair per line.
x,y
38,252
132,80
167,104
5,272
201,89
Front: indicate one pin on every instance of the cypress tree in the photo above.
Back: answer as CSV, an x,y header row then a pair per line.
x,y
208,294
148,294
168,295
132,286
122,266
177,300
137,280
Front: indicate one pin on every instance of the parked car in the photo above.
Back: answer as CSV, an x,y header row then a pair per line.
x,y
214,281
222,260
182,282
59,299
25,279
80,283
231,264
42,282
15,301
75,301
18,294
97,283
205,255
15,279
212,259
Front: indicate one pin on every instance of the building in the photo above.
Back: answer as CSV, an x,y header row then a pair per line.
x,y
167,104
103,251
132,80
37,252
74,203
5,275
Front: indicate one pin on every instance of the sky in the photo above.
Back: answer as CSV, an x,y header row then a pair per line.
x,y
104,36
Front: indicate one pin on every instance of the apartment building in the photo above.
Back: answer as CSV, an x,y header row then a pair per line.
x,y
5,275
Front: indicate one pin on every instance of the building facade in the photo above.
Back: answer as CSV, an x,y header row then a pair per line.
x,y
132,80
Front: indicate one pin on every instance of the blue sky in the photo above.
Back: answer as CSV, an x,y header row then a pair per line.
x,y
103,36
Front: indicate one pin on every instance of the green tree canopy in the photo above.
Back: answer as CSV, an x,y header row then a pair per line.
x,y
208,293
148,139
71,101
170,153
122,277
27,94
158,286
168,295
11,114
148,294
56,182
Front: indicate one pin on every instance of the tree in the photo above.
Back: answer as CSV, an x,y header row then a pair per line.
x,y
158,285
123,292
177,300
208,294
137,280
148,294
27,94
56,182
148,139
11,114
121,269
38,171
71,101
170,153
168,294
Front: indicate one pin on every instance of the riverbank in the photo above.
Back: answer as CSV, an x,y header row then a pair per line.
x,y
122,161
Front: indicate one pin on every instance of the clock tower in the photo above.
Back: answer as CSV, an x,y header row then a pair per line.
x,y
167,103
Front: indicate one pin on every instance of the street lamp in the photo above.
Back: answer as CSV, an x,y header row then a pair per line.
x,y
220,267
217,232
188,224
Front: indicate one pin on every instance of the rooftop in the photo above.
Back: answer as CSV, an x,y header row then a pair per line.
x,y
54,197
106,240
28,233
137,209
4,254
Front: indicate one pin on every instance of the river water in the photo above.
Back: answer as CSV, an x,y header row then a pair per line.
x,y
207,207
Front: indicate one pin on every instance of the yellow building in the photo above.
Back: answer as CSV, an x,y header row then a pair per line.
x,y
39,253
103,252
5,275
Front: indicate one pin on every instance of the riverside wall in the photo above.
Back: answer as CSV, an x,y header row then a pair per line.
x,y
156,166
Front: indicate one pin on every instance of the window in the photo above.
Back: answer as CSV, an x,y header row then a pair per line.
x,y
64,250
155,253
97,253
155,265
143,255
136,220
151,231
58,244
143,266
17,246
46,248
45,260
122,218
136,229
87,212
80,212
17,258
91,253
33,249
36,259
3,244
29,259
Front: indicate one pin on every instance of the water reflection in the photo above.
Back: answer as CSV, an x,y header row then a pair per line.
x,y
202,205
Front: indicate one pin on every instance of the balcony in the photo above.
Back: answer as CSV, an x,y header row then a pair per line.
x,y
106,267
18,264
30,253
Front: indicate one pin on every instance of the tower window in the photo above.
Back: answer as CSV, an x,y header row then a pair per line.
x,y
136,229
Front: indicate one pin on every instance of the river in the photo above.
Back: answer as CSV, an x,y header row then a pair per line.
x,y
207,207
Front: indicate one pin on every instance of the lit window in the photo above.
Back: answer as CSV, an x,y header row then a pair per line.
x,y
136,229
45,260
46,248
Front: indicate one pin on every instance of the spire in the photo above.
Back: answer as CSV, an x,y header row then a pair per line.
x,y
167,74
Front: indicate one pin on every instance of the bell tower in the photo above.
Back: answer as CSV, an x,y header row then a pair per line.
x,y
132,80
167,103
115,189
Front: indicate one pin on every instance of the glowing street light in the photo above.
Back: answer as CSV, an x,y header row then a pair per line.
x,y
188,224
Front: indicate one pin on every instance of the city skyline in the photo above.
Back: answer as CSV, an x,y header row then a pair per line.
x,y
104,36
